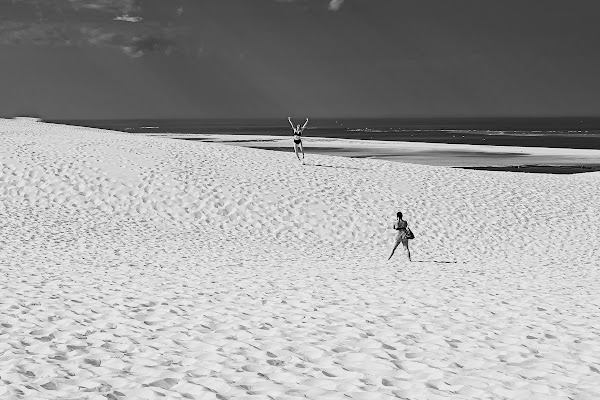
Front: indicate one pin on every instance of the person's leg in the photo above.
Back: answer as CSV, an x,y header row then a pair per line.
x,y
302,150
406,249
394,249
296,150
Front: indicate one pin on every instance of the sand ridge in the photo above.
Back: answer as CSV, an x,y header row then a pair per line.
x,y
137,267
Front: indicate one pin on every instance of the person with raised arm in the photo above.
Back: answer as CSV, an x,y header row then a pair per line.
x,y
298,138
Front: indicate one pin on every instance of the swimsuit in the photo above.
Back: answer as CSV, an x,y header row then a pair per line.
x,y
297,138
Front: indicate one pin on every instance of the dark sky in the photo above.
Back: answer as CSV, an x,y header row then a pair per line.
x,y
316,58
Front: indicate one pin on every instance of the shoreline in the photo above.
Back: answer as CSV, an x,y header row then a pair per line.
x,y
542,169
508,158
555,132
470,156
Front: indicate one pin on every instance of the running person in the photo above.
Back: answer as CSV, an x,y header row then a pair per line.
x,y
298,138
402,236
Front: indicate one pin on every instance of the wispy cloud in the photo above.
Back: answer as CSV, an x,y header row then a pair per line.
x,y
128,18
136,43
112,6
335,5
92,23
40,34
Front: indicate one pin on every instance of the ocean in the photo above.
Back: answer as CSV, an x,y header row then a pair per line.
x,y
559,132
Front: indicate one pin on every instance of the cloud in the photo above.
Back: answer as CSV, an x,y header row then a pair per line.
x,y
143,45
95,23
134,43
335,5
138,43
42,34
128,18
109,6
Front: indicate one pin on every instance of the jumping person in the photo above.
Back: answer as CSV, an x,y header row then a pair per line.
x,y
298,138
402,236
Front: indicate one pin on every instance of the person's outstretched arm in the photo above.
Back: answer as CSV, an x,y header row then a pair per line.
x,y
306,123
290,121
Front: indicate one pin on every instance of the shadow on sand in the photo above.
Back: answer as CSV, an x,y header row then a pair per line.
x,y
439,262
331,166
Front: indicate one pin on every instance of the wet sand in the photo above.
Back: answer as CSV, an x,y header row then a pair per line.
x,y
494,158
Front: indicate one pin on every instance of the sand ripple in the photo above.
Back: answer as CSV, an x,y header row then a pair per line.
x,y
137,267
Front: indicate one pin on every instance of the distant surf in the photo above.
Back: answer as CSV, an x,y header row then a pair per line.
x,y
556,132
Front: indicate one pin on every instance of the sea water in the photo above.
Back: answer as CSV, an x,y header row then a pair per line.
x,y
561,132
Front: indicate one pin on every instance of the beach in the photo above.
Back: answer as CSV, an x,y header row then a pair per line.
x,y
141,267
496,157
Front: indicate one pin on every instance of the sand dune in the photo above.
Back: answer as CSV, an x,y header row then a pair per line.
x,y
139,267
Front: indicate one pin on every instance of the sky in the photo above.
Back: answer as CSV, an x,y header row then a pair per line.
x,y
83,59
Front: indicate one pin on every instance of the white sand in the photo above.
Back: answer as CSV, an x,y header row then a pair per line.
x,y
144,268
